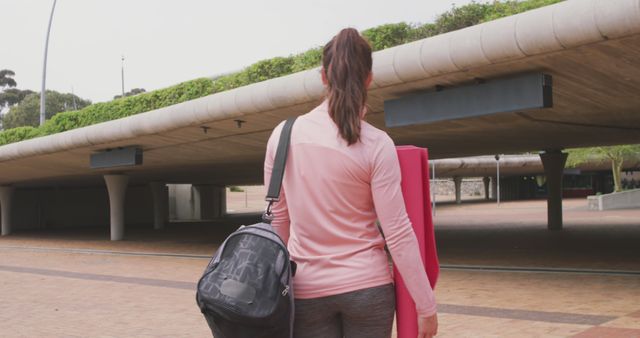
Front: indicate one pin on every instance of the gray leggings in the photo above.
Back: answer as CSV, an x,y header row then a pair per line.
x,y
366,313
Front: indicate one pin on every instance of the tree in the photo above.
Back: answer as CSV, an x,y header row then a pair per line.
x,y
134,91
6,79
8,95
27,112
13,96
615,154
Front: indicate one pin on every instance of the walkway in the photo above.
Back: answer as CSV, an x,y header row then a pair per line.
x,y
75,283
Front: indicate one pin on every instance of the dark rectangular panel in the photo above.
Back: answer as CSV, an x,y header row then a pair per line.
x,y
119,157
530,91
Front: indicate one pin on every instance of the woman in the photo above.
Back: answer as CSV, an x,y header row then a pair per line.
x,y
343,174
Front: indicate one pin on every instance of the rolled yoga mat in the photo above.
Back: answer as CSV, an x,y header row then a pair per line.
x,y
414,166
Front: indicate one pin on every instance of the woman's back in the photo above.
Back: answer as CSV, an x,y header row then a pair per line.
x,y
328,190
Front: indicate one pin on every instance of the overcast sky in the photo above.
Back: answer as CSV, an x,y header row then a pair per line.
x,y
165,42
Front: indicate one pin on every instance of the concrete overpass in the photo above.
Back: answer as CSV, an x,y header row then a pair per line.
x,y
589,47
513,165
510,166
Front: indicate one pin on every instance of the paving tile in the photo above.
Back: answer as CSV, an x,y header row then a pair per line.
x,y
588,295
624,322
539,316
452,325
608,332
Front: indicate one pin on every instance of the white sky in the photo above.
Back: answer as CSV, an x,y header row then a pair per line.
x,y
166,42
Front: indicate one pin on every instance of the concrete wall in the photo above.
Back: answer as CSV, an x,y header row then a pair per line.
x,y
196,202
618,200
89,206
183,203
470,187
74,207
513,188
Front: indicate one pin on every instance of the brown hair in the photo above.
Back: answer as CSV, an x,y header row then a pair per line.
x,y
346,63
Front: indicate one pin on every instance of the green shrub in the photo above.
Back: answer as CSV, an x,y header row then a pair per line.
x,y
381,37
107,111
307,60
235,188
389,35
18,134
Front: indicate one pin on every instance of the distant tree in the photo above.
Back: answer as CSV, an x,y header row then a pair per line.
x,y
8,94
12,96
27,112
6,79
616,155
134,91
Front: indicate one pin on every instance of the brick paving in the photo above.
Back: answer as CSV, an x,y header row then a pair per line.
x,y
75,283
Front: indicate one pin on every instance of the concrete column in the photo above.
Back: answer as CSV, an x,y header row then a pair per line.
x,y
160,193
221,201
486,180
457,180
213,201
6,197
117,187
553,162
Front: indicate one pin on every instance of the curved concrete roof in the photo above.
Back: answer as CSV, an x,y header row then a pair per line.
x,y
570,40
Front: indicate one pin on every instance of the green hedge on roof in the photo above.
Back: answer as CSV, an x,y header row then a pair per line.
x,y
381,37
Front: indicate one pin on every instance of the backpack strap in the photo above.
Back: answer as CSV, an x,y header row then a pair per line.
x,y
277,174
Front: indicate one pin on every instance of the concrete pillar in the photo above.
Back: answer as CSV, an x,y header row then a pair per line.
x,y
221,201
6,197
213,201
553,162
117,187
160,193
486,180
457,180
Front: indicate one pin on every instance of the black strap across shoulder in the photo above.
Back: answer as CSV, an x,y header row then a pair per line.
x,y
277,174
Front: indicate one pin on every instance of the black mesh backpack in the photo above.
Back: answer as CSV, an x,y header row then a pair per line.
x,y
246,290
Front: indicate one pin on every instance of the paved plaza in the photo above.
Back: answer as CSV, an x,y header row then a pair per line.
x,y
504,275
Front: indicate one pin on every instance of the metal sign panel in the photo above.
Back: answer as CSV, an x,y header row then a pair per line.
x,y
530,91
120,157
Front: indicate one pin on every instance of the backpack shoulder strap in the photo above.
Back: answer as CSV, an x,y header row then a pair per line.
x,y
277,174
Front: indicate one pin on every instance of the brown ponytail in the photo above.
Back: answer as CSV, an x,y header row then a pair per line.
x,y
346,63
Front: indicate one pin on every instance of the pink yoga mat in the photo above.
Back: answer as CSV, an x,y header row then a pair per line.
x,y
414,165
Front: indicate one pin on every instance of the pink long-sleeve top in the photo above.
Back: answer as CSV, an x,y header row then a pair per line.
x,y
331,197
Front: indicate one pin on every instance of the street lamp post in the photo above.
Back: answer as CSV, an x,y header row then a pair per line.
x,y
44,68
498,178
122,73
433,188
